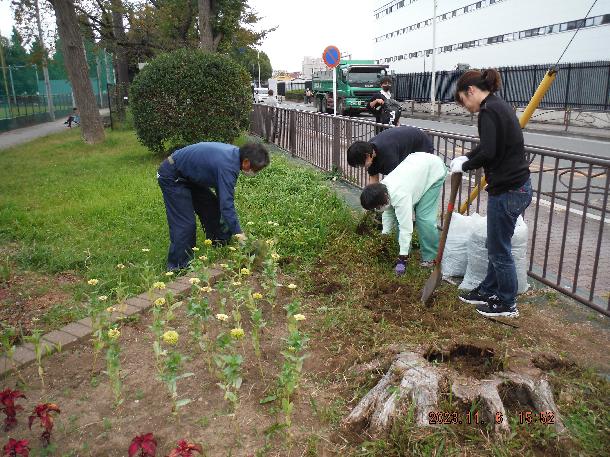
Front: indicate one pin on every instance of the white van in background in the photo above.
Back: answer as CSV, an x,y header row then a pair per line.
x,y
260,94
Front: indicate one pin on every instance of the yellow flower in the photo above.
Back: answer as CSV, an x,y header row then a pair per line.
x,y
93,282
231,248
203,258
120,266
223,265
208,242
270,222
113,334
245,271
222,317
292,286
257,295
102,298
250,223
194,281
299,317
145,250
236,283
169,273
195,248
237,333
160,301
206,289
171,337
275,224
275,256
111,309
159,285
270,242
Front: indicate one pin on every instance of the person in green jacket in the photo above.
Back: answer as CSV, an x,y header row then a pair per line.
x,y
413,186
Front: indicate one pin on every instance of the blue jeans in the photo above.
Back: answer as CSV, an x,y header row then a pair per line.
x,y
182,202
502,213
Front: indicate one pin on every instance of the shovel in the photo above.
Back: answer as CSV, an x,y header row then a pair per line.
x,y
435,278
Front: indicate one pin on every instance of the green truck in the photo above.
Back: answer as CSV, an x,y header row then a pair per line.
x,y
357,82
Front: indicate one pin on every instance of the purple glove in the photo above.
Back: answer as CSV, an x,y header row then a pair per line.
x,y
401,267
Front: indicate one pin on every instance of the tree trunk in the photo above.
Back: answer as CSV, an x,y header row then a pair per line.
x,y
207,41
76,66
120,58
45,66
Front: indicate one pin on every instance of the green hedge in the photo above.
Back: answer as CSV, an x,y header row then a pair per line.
x,y
296,95
188,96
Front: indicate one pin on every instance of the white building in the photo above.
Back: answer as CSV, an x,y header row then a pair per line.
x,y
489,33
311,65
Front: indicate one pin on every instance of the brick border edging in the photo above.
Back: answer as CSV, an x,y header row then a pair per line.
x,y
80,331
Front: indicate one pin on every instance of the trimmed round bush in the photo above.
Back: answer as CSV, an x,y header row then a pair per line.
x,y
188,96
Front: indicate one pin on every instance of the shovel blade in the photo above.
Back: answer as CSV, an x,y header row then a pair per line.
x,y
432,283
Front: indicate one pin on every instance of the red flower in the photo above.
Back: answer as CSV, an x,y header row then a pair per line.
x,y
185,449
8,407
144,443
43,412
16,448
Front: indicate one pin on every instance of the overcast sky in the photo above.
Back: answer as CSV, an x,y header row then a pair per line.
x,y
305,28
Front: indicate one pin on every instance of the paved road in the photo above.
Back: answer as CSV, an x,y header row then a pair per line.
x,y
566,143
25,134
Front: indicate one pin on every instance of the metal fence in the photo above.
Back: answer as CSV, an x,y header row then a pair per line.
x,y
584,86
568,219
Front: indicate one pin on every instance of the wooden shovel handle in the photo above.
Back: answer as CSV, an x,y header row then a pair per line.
x,y
456,181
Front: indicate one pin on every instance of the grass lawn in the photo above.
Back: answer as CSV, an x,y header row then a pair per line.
x,y
70,212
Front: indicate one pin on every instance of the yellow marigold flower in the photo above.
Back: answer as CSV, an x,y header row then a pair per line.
x,y
257,295
275,256
111,309
93,282
231,248
270,242
145,250
195,248
299,317
244,271
120,266
102,298
170,337
194,281
160,301
206,289
169,273
222,317
223,265
292,286
236,283
113,334
160,285
237,333
203,258
208,242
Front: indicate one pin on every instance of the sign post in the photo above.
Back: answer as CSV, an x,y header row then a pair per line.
x,y
332,58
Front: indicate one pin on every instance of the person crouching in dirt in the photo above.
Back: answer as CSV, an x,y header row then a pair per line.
x,y
413,186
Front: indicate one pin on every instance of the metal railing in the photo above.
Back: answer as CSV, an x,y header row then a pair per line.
x,y
568,221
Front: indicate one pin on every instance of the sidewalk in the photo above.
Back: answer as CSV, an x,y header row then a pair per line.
x,y
23,135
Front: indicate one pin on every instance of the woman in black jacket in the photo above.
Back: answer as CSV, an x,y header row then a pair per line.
x,y
502,156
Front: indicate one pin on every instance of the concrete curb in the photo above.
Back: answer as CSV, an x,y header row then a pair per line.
x,y
81,330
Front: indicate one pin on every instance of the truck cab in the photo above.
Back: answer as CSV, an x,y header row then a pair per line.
x,y
357,82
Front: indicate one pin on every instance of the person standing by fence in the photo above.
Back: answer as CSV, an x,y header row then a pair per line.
x,y
501,153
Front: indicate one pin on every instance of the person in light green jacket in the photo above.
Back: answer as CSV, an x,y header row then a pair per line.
x,y
414,186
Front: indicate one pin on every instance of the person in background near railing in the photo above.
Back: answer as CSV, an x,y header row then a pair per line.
x,y
74,117
271,100
384,152
385,109
413,186
200,179
502,156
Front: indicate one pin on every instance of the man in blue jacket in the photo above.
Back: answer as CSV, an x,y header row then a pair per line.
x,y
200,179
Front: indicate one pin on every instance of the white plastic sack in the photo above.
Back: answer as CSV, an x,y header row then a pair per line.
x,y
455,256
477,254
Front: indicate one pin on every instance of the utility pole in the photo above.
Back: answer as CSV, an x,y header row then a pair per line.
x,y
45,65
433,83
8,97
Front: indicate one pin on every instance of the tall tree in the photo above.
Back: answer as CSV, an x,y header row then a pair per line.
x,y
76,65
44,63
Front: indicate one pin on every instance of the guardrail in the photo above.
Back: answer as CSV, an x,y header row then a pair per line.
x,y
568,219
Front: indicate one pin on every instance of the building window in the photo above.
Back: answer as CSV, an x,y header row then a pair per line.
x,y
606,19
478,5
